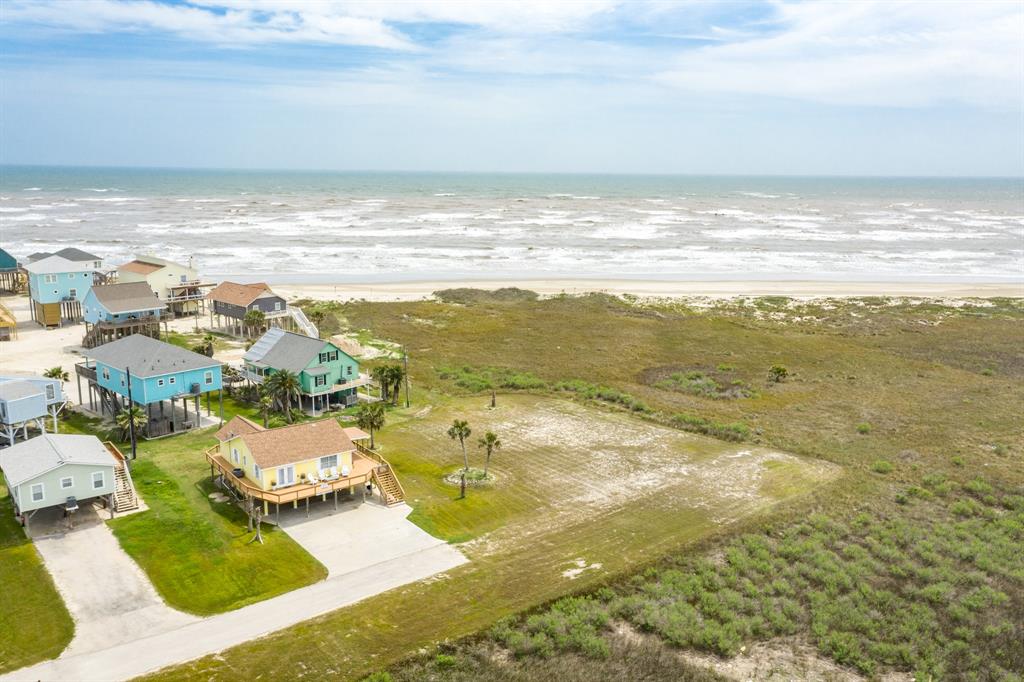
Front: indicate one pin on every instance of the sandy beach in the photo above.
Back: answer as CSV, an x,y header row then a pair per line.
x,y
409,291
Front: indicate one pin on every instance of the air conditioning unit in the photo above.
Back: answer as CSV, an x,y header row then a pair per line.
x,y
195,389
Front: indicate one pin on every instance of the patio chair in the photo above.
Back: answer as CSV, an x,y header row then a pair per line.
x,y
344,470
312,479
334,472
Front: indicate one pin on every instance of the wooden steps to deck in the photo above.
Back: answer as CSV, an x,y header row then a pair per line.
x,y
125,498
390,489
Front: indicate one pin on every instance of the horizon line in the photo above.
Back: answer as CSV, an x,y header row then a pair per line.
x,y
398,171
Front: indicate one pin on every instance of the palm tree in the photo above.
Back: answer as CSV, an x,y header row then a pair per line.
x,y
254,319
59,374
371,417
460,431
317,317
281,386
266,404
491,443
396,374
381,375
125,418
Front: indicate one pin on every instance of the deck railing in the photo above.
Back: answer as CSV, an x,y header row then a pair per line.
x,y
292,493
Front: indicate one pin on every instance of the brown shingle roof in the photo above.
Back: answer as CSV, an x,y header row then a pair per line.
x,y
297,443
140,267
237,426
238,294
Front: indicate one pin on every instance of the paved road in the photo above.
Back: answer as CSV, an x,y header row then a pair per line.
x,y
200,637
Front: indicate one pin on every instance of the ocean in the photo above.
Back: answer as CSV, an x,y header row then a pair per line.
x,y
309,227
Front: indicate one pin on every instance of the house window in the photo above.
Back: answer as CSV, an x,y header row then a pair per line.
x,y
208,378
348,370
97,480
256,472
277,305
234,455
322,358
328,461
159,382
285,476
334,356
172,380
73,293
50,392
37,492
50,279
67,482
245,461
106,374
320,381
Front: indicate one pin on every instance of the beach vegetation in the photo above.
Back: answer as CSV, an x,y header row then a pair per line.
x,y
371,417
460,431
284,385
864,428
490,443
777,374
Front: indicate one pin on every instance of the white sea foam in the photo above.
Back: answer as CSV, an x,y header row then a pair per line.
x,y
760,195
13,209
32,189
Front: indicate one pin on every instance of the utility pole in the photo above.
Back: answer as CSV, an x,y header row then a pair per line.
x,y
131,405
405,361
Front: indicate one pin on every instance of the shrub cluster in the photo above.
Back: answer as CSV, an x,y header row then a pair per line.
x,y
735,431
706,386
937,591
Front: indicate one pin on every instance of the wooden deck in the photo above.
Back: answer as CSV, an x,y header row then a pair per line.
x,y
362,472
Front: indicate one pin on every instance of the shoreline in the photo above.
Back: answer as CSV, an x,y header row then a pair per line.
x,y
420,289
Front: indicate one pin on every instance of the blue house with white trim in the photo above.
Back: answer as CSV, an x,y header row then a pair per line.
x,y
58,282
164,378
115,310
28,401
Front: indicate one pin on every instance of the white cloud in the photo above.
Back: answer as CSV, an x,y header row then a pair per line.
x,y
871,53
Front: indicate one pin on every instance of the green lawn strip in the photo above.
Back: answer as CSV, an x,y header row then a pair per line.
x,y
197,552
194,550
36,625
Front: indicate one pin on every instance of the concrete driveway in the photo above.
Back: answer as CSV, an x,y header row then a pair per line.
x,y
358,535
109,597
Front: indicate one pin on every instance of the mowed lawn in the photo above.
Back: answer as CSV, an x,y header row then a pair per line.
x,y
196,551
582,494
35,625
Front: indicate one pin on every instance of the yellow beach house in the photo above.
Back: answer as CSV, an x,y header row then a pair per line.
x,y
299,463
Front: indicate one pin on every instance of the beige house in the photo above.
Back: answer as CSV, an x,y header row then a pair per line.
x,y
176,285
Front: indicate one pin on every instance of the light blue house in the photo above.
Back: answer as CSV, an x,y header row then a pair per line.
x,y
58,282
161,374
112,311
27,401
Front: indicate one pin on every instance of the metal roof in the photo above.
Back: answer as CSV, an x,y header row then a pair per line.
x,y
148,357
34,457
55,264
16,389
284,350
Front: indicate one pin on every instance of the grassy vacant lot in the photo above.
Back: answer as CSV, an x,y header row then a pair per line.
x,y
193,549
889,390
35,625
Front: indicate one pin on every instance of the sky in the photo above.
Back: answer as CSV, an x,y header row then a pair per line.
x,y
603,86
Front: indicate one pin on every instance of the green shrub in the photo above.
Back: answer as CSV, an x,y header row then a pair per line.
x,y
864,428
777,374
736,431
881,466
445,661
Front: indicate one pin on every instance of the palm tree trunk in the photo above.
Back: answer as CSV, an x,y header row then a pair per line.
x,y
487,462
465,457
372,446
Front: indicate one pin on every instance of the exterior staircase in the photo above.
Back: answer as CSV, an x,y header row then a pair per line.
x,y
390,489
307,327
125,498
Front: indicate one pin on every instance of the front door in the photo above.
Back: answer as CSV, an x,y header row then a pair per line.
x,y
285,476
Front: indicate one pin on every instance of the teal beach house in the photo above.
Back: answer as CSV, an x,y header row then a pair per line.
x,y
329,376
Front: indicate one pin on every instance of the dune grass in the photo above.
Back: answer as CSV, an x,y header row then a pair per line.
x,y
36,625
940,385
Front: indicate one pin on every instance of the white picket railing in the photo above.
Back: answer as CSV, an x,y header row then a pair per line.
x,y
307,327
